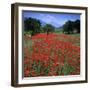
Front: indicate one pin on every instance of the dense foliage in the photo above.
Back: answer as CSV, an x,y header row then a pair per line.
x,y
48,28
32,25
71,27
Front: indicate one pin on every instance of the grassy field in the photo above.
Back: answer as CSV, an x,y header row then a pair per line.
x,y
58,31
51,55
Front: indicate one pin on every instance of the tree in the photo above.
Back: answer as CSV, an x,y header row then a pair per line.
x,y
77,25
68,27
48,28
33,25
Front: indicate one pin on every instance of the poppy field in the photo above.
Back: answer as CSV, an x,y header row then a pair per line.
x,y
51,55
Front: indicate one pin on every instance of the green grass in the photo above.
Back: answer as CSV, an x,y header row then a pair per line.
x,y
74,34
58,31
61,32
66,70
28,44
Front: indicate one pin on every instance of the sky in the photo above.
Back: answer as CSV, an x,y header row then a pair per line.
x,y
55,19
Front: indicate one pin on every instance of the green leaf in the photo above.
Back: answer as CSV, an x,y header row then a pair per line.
x,y
67,69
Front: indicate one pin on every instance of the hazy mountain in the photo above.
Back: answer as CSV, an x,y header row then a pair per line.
x,y
43,23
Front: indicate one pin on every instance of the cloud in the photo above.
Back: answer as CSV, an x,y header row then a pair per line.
x,y
50,19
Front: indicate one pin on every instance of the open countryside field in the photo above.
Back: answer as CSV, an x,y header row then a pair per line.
x,y
51,44
51,55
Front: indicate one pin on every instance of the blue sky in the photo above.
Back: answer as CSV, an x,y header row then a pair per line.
x,y
56,19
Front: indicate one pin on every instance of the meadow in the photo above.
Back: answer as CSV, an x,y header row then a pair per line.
x,y
55,54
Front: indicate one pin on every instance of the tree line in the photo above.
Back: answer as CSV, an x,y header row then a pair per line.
x,y
71,27
33,26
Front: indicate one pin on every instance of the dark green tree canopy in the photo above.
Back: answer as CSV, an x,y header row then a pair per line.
x,y
48,28
32,24
77,25
70,26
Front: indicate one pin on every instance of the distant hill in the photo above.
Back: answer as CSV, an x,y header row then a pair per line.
x,y
43,23
59,28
